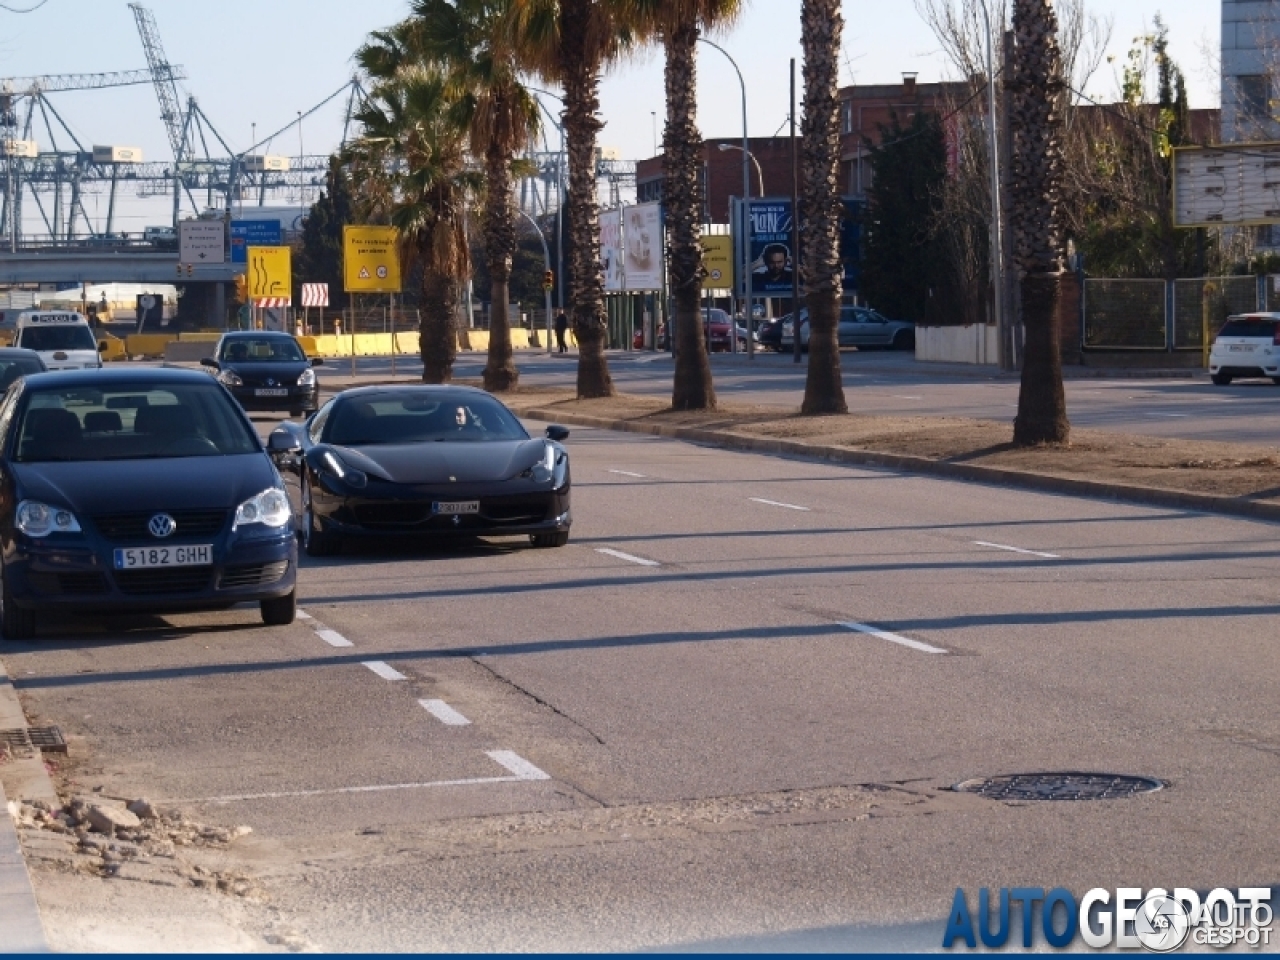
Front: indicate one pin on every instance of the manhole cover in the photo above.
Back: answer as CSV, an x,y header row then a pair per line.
x,y
1059,786
48,739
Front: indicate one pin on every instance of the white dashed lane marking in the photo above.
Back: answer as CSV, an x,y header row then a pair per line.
x,y
628,557
385,671
777,503
892,638
628,473
1030,553
444,713
522,771
333,638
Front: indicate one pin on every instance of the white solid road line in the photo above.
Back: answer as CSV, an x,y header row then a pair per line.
x,y
777,503
444,713
521,769
517,764
385,671
628,473
628,557
333,638
892,637
1030,553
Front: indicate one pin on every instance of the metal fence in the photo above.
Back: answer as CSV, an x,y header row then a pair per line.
x,y
1124,315
1156,315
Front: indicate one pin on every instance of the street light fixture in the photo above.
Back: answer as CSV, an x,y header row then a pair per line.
x,y
759,174
745,226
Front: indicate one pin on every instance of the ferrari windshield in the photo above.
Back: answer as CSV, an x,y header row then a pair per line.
x,y
130,422
398,417
262,350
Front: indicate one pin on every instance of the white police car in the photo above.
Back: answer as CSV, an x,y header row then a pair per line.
x,y
1248,345
63,339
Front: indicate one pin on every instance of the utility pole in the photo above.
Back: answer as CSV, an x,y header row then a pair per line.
x,y
795,222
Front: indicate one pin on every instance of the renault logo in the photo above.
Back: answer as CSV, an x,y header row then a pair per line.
x,y
271,381
161,525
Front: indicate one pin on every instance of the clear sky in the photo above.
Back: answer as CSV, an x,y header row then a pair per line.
x,y
261,61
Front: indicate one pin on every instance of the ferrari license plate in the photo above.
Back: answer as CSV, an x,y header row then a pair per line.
x,y
458,506
139,558
271,392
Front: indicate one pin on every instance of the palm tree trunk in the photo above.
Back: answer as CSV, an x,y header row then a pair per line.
x,y
437,327
500,371
692,388
821,208
1035,120
581,76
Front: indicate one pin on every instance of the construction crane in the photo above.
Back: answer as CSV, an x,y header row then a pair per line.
x,y
165,79
57,83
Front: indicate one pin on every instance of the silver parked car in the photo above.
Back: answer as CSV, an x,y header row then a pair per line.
x,y
859,327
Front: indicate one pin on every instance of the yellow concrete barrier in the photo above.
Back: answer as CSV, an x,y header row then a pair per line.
x,y
146,344
371,344
519,338
200,336
479,340
115,347
308,345
407,342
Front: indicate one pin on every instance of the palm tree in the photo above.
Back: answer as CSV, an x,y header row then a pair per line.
x,y
820,205
678,23
408,169
1035,121
569,42
467,38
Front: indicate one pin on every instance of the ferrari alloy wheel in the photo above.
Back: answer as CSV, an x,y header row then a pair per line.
x,y
543,540
15,623
279,611
315,541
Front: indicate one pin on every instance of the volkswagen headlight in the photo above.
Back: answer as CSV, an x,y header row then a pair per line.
x,y
230,378
308,378
37,519
269,508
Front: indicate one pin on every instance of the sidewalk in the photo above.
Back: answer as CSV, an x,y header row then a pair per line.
x,y
20,927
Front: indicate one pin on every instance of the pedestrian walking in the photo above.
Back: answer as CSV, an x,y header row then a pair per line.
x,y
562,327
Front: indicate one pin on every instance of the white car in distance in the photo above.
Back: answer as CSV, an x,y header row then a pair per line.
x,y
1248,345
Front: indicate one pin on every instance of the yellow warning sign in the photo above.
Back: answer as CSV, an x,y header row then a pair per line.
x,y
269,272
717,259
370,259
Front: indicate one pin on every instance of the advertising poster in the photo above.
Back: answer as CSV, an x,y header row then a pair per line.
x,y
717,260
611,249
771,260
643,247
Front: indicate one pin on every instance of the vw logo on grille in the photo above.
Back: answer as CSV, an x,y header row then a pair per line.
x,y
161,525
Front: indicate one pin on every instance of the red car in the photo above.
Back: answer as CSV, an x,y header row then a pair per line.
x,y
715,328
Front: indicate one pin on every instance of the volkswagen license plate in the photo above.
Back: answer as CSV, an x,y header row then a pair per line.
x,y
271,392
460,506
138,558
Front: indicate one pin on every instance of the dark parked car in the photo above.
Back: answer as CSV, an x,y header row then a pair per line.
x,y
423,463
137,490
16,362
265,370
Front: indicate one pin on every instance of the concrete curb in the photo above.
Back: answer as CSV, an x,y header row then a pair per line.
x,y
20,928
1067,486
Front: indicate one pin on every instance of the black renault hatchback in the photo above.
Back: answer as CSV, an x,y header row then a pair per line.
x,y
137,490
266,370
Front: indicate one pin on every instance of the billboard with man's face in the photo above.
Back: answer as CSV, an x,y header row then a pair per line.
x,y
771,261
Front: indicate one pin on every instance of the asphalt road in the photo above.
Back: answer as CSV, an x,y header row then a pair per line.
x,y
678,730
891,383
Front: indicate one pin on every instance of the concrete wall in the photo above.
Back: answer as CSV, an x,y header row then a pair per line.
x,y
976,343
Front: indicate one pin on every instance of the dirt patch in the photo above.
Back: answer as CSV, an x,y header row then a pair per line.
x,y
1193,466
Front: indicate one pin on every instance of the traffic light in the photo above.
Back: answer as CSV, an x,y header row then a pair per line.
x,y
179,271
191,269
241,289
548,280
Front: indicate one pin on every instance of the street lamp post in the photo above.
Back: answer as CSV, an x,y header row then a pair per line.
x,y
1003,352
744,227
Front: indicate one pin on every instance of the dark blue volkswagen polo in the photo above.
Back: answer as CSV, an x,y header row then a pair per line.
x,y
137,490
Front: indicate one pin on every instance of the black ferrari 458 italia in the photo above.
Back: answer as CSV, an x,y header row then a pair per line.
x,y
422,462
